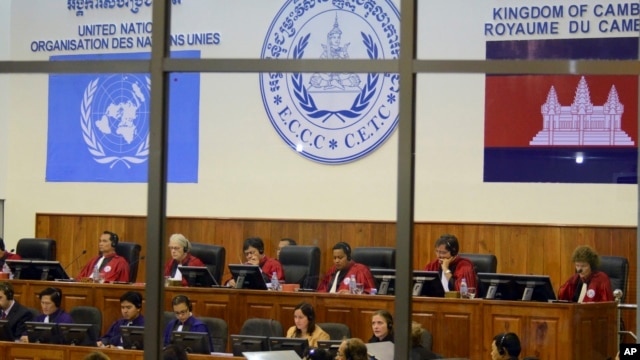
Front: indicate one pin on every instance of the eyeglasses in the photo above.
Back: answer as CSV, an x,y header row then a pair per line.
x,y
250,253
445,252
181,312
175,248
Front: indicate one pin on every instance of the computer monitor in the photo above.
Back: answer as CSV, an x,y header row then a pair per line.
x,y
76,334
247,343
427,283
5,331
248,276
497,286
284,343
49,270
385,280
21,269
331,345
132,337
192,342
43,333
534,287
198,276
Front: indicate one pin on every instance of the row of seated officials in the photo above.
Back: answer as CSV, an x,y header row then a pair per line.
x,y
18,324
586,285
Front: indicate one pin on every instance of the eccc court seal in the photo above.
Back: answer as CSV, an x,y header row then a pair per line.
x,y
334,117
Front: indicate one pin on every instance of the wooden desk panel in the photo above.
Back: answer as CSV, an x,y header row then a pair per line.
x,y
549,331
24,351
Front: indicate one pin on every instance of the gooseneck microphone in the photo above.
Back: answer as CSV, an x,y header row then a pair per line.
x,y
76,259
137,261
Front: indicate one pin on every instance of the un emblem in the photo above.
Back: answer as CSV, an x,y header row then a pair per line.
x,y
333,118
115,119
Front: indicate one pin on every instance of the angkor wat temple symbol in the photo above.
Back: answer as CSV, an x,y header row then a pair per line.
x,y
582,123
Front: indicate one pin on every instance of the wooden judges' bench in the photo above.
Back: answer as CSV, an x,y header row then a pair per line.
x,y
460,328
24,351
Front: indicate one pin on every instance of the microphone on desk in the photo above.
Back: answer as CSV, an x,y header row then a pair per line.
x,y
76,259
137,261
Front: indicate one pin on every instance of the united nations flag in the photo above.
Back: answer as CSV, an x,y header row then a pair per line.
x,y
99,124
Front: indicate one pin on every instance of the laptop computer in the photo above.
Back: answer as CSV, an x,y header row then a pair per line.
x,y
271,355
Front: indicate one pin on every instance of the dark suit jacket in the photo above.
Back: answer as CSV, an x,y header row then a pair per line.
x,y
17,317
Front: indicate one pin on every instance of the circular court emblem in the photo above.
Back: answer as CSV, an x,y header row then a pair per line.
x,y
333,117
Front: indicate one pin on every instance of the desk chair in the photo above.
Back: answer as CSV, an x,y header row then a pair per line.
x,y
336,331
131,252
375,257
301,265
36,249
213,257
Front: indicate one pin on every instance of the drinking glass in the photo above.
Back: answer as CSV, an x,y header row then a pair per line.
x,y
359,288
471,292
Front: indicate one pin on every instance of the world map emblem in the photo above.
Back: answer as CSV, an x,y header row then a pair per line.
x,y
333,117
115,119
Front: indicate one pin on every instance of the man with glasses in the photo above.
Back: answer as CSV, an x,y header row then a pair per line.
x,y
451,267
180,249
253,249
108,265
184,321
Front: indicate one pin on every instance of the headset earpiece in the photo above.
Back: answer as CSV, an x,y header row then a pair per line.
x,y
390,324
501,346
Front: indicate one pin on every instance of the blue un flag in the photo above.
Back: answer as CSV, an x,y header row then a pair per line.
x,y
99,124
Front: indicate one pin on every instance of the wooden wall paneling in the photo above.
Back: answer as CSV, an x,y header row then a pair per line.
x,y
520,248
25,353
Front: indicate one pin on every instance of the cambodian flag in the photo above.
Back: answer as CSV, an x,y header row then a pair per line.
x,y
569,129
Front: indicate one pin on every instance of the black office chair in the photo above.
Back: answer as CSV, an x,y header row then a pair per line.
x,y
617,268
213,256
131,252
427,339
219,331
88,315
167,316
301,265
262,327
375,257
482,263
336,331
37,249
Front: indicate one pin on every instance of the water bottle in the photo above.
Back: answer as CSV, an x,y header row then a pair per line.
x,y
7,269
96,274
275,284
464,290
352,284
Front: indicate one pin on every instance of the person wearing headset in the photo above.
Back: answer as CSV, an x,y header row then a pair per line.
x,y
110,265
382,326
451,267
418,352
253,249
50,301
180,249
587,285
12,311
337,279
352,349
305,326
505,346
185,321
130,307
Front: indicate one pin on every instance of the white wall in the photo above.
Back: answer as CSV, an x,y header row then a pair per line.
x,y
247,171
5,25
